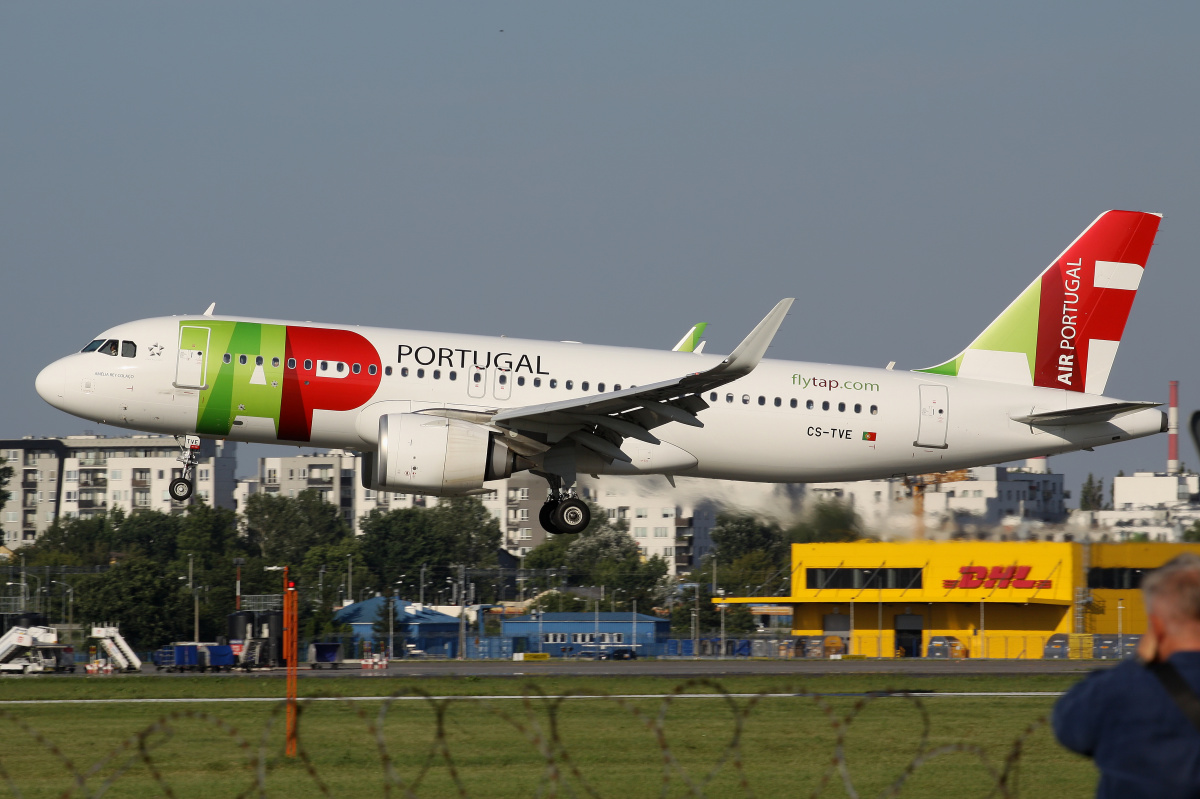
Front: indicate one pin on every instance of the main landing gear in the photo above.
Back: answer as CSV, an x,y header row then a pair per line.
x,y
181,487
564,514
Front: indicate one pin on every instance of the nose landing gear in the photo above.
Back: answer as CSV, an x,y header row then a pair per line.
x,y
181,487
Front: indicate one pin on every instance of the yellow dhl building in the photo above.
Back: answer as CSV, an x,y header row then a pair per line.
x,y
998,599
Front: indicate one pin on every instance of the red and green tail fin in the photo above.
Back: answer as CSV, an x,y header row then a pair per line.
x,y
1063,331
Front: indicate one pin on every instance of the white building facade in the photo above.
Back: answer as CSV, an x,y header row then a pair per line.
x,y
86,476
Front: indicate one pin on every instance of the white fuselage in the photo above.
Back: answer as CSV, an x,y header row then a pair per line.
x,y
787,421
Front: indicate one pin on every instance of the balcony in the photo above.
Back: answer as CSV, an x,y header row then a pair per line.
x,y
93,504
139,482
320,481
93,461
683,521
93,482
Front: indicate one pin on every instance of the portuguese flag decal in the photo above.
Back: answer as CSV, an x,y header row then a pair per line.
x,y
868,436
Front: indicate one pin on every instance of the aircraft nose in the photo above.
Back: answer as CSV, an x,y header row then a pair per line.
x,y
51,383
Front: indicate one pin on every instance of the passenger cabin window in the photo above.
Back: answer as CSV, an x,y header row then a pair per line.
x,y
809,405
504,379
291,363
258,360
570,385
825,405
373,369
308,364
793,402
874,409
600,387
128,349
778,402
388,371
274,363
521,380
437,374
745,399
617,387
227,358
356,368
242,360
95,345
712,397
453,375
729,398
537,382
553,383
584,385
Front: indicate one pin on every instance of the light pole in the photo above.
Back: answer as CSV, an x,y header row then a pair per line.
x,y
71,601
195,604
422,585
238,563
1120,627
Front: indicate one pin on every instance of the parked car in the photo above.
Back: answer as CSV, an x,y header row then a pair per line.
x,y
619,654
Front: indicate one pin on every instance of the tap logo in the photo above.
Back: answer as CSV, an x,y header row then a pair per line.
x,y
996,577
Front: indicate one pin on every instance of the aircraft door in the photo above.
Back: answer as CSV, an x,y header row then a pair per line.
x,y
503,386
935,415
477,381
190,365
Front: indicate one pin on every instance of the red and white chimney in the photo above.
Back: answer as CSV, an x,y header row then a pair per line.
x,y
1173,430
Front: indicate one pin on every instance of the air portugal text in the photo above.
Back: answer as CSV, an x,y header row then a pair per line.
x,y
455,356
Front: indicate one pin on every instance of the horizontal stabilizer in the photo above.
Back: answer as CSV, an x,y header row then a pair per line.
x,y
1085,415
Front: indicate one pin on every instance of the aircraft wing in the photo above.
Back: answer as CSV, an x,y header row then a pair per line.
x,y
601,421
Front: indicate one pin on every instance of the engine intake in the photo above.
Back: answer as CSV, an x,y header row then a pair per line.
x,y
435,455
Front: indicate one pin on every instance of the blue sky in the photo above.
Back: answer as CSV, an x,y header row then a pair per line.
x,y
608,173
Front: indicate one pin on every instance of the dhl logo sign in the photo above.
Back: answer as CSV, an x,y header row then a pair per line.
x,y
996,577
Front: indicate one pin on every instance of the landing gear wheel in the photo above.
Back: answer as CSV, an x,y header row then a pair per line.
x,y
180,489
546,516
572,515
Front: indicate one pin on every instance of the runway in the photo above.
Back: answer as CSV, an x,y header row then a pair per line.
x,y
686,669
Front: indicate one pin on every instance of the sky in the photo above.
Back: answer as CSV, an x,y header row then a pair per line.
x,y
608,172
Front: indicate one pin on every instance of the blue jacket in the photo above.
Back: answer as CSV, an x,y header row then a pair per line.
x,y
1124,719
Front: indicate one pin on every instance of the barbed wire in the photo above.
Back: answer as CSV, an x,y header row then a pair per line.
x,y
538,723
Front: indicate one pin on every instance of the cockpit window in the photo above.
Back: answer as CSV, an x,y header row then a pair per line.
x,y
95,345
128,349
110,347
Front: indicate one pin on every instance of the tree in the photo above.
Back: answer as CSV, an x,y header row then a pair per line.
x,y
1091,496
6,473
283,529
151,605
738,534
829,520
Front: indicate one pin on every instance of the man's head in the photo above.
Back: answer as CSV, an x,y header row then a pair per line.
x,y
1172,594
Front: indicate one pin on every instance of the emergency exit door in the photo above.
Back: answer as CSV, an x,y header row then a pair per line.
x,y
190,364
935,416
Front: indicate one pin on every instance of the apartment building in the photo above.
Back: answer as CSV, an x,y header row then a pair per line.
x,y
87,475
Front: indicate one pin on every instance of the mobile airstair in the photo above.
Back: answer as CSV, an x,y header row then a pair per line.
x,y
14,644
119,652
19,649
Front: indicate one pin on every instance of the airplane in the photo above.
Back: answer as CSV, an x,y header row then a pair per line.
x,y
443,413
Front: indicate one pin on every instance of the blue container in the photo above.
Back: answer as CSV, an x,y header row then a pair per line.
x,y
221,657
186,656
326,653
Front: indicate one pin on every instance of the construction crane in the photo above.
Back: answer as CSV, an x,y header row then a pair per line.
x,y
917,484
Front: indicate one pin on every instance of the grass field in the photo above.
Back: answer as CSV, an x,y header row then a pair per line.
x,y
717,747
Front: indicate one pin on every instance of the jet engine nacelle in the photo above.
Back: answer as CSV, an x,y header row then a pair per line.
x,y
435,455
